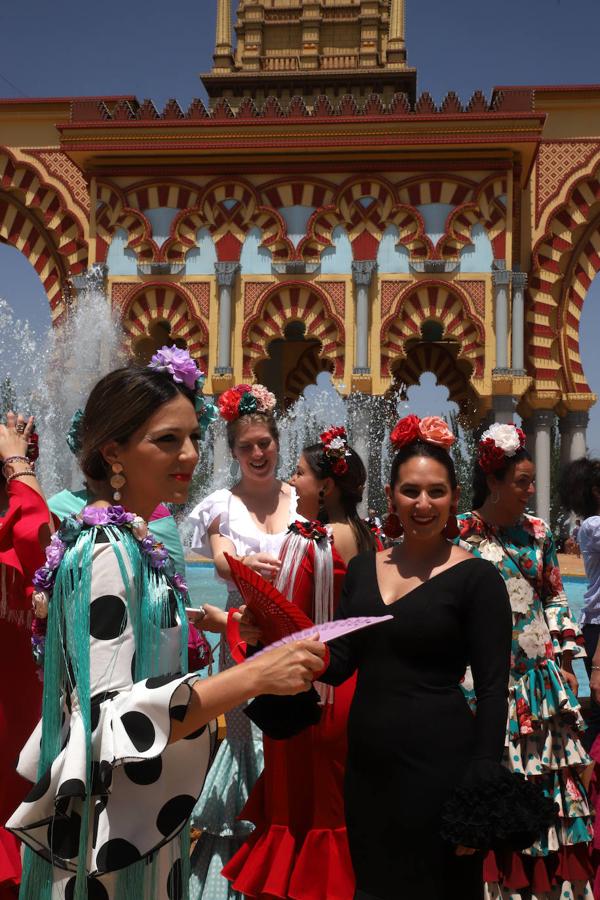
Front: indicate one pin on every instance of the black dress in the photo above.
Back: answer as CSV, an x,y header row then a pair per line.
x,y
411,735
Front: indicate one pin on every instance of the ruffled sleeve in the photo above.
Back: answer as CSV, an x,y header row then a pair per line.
x,y
135,788
564,630
215,506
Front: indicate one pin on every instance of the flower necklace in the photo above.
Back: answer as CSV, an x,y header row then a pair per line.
x,y
66,536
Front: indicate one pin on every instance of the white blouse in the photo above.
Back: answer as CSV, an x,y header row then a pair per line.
x,y
236,524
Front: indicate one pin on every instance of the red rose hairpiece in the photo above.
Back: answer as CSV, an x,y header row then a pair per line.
x,y
431,430
335,448
500,442
245,399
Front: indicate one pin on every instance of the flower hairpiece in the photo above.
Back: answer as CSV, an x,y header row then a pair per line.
x,y
310,529
183,369
497,444
244,399
74,432
335,447
430,429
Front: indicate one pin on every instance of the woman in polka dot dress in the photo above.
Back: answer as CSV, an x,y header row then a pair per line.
x,y
126,735
249,521
545,725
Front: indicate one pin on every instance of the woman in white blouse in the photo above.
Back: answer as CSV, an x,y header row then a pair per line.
x,y
250,522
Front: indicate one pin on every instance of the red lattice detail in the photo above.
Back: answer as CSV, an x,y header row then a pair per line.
x,y
253,290
476,291
200,291
556,162
120,292
64,170
337,292
389,292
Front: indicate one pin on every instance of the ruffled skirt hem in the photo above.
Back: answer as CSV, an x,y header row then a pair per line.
x,y
274,863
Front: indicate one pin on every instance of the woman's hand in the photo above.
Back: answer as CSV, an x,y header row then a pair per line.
x,y
264,563
14,438
208,618
249,630
290,669
571,678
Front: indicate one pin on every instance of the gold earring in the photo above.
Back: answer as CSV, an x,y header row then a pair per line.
x,y
117,481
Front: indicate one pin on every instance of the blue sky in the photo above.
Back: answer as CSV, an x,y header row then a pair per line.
x,y
155,50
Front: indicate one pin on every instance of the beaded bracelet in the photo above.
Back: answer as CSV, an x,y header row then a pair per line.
x,y
10,459
30,474
595,668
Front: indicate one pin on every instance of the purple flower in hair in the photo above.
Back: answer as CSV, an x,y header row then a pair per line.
x,y
117,515
54,552
43,578
178,363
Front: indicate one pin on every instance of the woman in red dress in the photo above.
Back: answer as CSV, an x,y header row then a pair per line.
x,y
299,849
24,531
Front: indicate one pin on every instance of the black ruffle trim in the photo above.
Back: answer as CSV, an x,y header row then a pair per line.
x,y
494,809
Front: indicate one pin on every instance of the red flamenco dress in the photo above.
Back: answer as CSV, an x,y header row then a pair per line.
x,y
21,554
299,848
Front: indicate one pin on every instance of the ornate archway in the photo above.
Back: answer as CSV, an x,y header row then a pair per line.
x,y
287,303
35,219
437,302
159,313
442,362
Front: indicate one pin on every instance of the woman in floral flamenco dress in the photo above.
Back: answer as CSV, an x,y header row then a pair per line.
x,y
545,724
24,530
299,849
249,522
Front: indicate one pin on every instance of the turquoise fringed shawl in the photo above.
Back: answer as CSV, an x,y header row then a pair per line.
x,y
67,663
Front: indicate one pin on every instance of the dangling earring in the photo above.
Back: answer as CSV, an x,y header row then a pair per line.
x,y
451,529
392,526
322,515
234,469
117,480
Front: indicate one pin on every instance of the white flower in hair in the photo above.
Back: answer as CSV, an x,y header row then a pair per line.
x,y
504,436
534,637
520,594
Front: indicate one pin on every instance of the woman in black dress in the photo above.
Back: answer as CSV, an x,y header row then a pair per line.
x,y
420,764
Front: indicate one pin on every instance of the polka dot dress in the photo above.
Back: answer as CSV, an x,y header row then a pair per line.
x,y
143,789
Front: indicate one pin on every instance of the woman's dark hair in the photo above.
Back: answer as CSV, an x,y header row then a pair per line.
x,y
350,485
118,405
256,418
480,485
423,448
576,487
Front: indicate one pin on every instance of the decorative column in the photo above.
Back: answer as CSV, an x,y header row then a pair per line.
x,y
501,280
223,55
396,48
542,420
503,406
226,272
519,280
362,272
573,435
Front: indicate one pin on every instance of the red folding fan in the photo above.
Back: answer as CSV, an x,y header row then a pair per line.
x,y
275,615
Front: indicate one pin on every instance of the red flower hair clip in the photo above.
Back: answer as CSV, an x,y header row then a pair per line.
x,y
335,447
312,530
431,430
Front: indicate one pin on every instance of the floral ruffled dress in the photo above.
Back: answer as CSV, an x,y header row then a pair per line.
x,y
544,718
